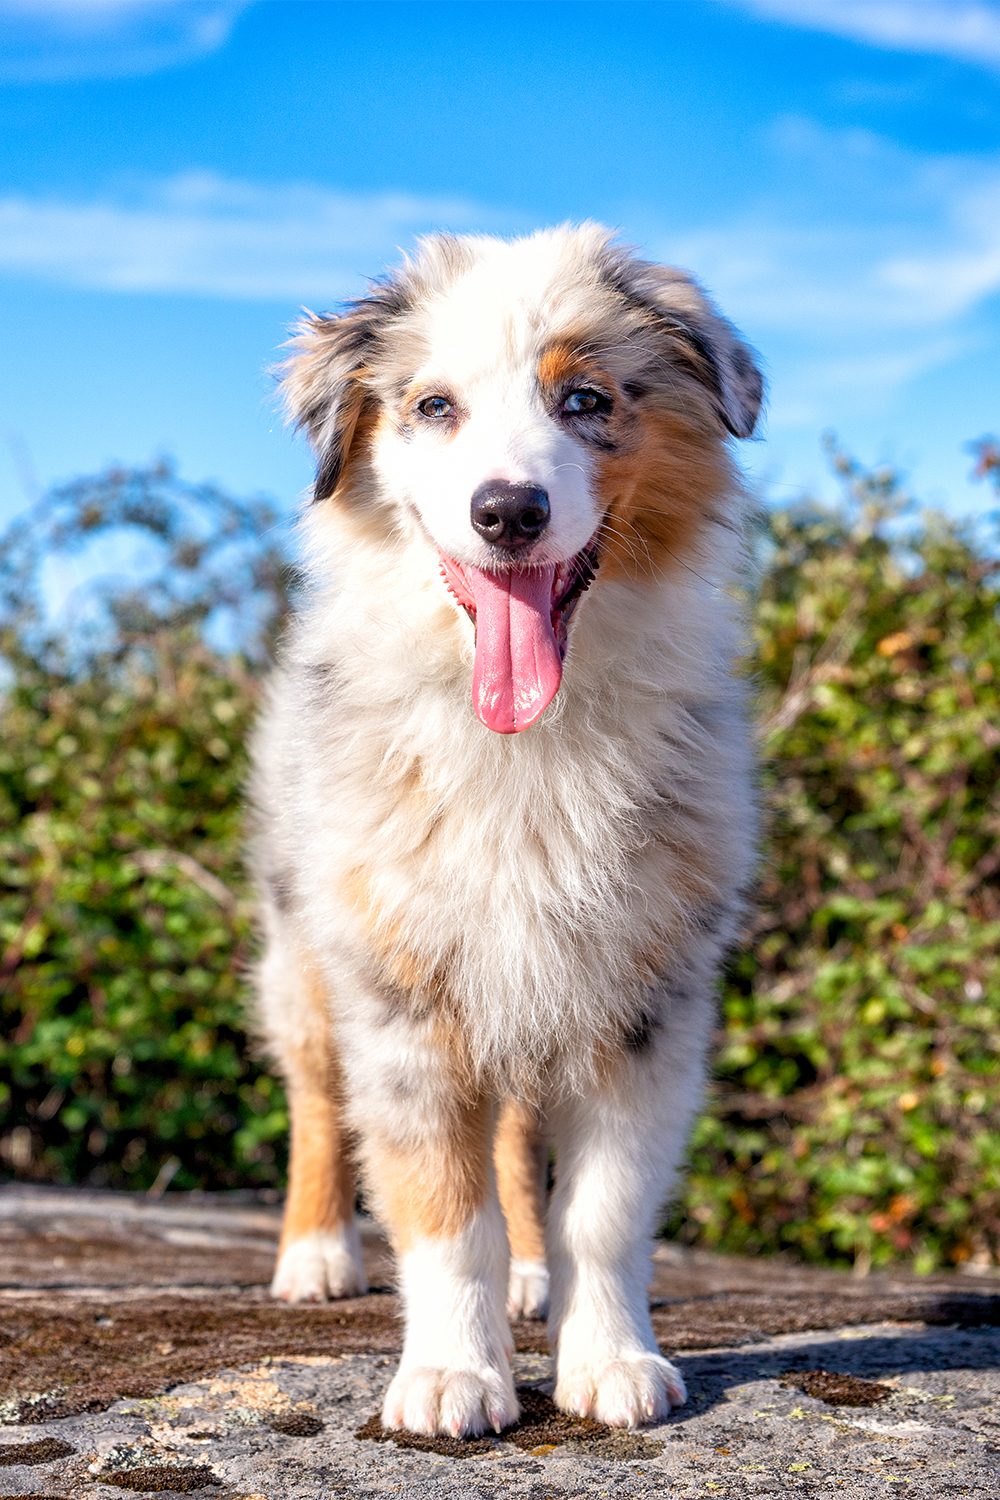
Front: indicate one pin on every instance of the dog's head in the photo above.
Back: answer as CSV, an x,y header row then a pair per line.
x,y
537,410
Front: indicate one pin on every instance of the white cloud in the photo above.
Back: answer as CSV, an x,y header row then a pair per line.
x,y
965,29
861,268
877,91
205,235
948,280
59,40
844,277
872,375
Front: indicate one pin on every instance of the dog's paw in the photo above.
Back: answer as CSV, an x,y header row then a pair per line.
x,y
626,1392
528,1289
455,1403
319,1266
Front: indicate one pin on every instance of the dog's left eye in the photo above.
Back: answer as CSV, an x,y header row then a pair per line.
x,y
583,402
435,407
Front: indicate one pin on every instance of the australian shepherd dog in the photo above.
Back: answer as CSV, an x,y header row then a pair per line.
x,y
504,802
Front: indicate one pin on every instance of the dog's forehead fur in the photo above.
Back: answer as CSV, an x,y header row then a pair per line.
x,y
477,306
474,309
513,299
467,307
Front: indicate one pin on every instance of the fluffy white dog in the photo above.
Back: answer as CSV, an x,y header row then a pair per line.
x,y
484,943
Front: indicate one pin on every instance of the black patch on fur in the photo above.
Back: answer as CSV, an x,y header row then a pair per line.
x,y
402,1086
637,1037
394,1002
323,678
693,338
331,466
281,890
710,917
709,717
354,338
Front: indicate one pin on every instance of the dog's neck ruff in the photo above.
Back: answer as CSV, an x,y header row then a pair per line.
x,y
521,617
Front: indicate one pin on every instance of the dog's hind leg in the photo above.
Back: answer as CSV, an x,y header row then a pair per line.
x,y
521,1157
320,1251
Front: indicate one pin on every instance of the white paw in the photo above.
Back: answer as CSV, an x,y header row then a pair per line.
x,y
321,1265
456,1403
528,1289
626,1392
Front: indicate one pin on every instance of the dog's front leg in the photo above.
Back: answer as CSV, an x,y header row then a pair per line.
x,y
617,1150
429,1162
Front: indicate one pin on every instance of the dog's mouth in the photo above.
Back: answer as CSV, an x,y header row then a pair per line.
x,y
521,617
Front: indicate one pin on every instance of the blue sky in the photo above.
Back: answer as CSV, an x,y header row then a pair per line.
x,y
177,178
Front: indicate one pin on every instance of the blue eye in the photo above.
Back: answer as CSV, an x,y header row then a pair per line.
x,y
435,407
583,402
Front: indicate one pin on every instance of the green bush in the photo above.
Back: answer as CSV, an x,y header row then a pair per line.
x,y
856,1109
125,927
854,1114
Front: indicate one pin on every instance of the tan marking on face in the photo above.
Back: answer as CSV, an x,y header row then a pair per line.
x,y
521,1163
560,363
321,1180
563,365
431,1190
658,494
410,780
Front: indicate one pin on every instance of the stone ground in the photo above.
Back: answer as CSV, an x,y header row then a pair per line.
x,y
139,1353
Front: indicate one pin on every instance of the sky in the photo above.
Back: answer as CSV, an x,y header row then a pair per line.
x,y
178,179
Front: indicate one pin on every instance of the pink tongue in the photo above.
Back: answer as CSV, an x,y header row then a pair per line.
x,y
518,667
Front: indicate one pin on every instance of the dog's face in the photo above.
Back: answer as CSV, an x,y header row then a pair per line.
x,y
535,410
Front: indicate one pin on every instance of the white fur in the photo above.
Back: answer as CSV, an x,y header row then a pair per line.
x,y
455,1372
528,1289
508,436
601,1224
316,1266
586,887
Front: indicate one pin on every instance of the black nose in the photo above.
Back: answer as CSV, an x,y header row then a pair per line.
x,y
509,515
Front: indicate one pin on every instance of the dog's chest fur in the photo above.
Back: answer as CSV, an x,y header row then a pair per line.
x,y
536,889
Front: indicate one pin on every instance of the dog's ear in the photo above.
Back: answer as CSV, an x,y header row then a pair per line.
x,y
325,382
717,354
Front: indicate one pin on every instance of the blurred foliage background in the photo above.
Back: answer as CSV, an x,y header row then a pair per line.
x,y
854,1115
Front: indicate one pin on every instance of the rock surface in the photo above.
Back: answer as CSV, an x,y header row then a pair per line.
x,y
139,1353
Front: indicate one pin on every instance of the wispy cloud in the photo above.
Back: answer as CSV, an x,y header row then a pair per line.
x,y
60,40
878,91
897,240
207,235
965,29
948,280
866,265
860,268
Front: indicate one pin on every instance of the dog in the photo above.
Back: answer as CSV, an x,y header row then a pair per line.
x,y
504,791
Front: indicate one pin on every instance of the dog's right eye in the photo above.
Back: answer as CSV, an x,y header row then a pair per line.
x,y
435,407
